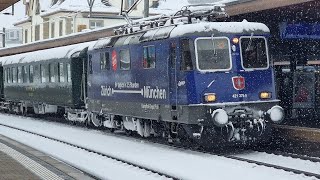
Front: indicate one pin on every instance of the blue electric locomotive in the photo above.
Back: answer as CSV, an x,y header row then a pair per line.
x,y
175,76
185,76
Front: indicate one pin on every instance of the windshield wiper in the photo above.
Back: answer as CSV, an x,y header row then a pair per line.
x,y
213,45
250,42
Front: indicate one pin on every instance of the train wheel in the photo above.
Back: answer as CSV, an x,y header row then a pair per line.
x,y
95,120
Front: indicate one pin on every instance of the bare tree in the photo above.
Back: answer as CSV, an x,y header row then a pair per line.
x,y
90,3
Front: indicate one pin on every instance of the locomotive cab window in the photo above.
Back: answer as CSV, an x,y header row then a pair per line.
x,y
186,57
213,54
254,53
173,55
105,61
149,57
124,59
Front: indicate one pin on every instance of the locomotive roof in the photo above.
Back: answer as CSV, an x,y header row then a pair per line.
x,y
219,28
43,55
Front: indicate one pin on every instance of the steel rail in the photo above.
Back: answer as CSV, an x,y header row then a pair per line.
x,y
98,153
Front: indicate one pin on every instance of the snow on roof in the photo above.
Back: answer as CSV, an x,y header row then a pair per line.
x,y
43,55
172,6
224,27
75,6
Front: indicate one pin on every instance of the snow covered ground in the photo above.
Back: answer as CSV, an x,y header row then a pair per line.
x,y
289,162
183,164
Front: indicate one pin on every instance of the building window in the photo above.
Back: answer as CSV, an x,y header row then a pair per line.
x,y
45,28
31,74
105,61
52,30
68,72
60,72
37,33
61,28
149,57
129,3
26,36
124,59
94,24
37,7
68,26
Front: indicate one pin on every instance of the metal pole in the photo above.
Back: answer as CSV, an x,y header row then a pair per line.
x,y
146,8
4,37
12,10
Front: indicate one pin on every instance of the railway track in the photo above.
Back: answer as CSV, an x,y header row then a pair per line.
x,y
179,147
132,164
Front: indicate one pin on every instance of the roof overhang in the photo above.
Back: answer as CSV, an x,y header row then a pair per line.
x,y
249,6
7,3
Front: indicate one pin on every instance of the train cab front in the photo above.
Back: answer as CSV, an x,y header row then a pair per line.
x,y
235,89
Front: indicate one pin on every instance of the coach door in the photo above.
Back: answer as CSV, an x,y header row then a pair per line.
x,y
173,79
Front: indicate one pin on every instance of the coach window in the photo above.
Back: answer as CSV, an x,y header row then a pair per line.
x,y
149,57
5,79
124,59
68,72
52,77
9,75
186,60
14,75
25,74
31,74
19,74
61,72
42,73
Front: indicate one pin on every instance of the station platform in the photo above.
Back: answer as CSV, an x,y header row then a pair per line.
x,y
18,161
297,140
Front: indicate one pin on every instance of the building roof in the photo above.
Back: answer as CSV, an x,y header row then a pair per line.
x,y
75,6
6,3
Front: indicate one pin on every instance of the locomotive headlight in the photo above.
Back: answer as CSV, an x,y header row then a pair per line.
x,y
210,97
276,114
220,117
235,40
265,95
